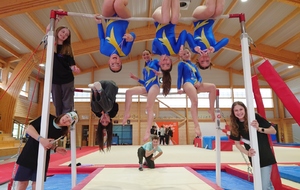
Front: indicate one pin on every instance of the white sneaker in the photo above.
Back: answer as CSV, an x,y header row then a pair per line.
x,y
98,86
91,85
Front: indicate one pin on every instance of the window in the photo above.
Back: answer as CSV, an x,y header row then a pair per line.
x,y
266,93
18,130
175,100
84,96
24,91
34,87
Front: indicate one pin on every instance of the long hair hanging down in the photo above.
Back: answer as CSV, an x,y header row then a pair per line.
x,y
233,120
166,81
100,136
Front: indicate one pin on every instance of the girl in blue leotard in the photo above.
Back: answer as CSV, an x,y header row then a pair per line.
x,y
190,80
166,17
203,40
116,43
150,87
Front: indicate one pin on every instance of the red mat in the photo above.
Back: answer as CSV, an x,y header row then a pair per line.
x,y
6,170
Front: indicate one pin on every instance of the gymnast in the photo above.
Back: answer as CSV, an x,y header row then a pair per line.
x,y
166,17
150,87
104,106
190,80
117,43
203,40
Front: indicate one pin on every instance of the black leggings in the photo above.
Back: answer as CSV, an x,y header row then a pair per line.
x,y
141,154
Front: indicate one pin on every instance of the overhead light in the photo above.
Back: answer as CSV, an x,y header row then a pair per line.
x,y
42,64
244,0
290,66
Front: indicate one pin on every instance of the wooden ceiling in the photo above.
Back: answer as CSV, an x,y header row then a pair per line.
x,y
273,25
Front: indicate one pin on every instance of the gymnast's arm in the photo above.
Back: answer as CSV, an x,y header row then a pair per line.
x,y
128,44
179,78
190,40
221,44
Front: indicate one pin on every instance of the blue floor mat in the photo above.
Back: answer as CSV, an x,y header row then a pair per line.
x,y
228,181
291,173
61,181
287,144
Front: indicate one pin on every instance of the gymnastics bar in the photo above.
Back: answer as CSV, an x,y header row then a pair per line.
x,y
65,13
46,105
218,139
249,98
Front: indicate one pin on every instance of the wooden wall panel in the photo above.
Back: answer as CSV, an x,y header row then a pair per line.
x,y
15,83
22,107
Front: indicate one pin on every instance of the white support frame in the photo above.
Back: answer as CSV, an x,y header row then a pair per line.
x,y
46,107
218,140
250,108
46,104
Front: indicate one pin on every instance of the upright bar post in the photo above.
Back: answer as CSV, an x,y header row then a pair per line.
x,y
250,104
46,103
217,140
73,155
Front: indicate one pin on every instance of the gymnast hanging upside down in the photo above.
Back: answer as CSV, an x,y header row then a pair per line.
x,y
117,43
203,40
104,106
165,43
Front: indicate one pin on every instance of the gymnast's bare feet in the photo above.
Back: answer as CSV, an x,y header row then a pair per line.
x,y
198,131
212,114
125,118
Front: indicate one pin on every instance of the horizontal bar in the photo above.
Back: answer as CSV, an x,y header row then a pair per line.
x,y
129,19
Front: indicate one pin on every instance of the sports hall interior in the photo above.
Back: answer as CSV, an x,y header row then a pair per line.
x,y
273,29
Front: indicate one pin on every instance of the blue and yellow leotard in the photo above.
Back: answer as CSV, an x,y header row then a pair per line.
x,y
165,42
150,78
113,43
204,37
187,72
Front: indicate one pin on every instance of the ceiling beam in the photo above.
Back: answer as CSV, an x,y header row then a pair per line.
x,y
14,7
36,21
14,34
72,25
227,11
278,26
9,49
287,42
94,6
255,16
3,63
149,12
269,52
291,77
93,60
290,2
233,61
